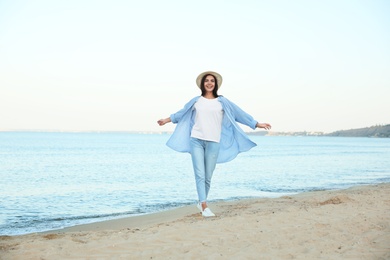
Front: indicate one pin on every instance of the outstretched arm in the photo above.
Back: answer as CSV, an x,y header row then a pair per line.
x,y
266,126
162,122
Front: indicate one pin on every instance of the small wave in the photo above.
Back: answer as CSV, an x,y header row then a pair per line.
x,y
30,224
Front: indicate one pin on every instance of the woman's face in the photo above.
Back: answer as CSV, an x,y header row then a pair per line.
x,y
209,83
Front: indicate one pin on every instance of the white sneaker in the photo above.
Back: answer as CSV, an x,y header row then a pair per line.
x,y
199,207
207,213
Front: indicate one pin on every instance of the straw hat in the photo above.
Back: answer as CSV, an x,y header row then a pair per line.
x,y
215,74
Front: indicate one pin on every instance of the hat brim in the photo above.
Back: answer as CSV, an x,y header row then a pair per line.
x,y
215,74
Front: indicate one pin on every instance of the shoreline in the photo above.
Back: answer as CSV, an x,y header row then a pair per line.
x,y
336,224
171,215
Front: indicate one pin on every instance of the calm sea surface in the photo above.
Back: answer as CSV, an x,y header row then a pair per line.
x,y
55,180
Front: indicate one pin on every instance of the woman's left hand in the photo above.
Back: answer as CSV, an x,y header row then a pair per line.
x,y
266,126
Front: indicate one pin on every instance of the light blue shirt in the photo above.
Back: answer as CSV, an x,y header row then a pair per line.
x,y
233,138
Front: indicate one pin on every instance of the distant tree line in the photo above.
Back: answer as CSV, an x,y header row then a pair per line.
x,y
382,131
373,131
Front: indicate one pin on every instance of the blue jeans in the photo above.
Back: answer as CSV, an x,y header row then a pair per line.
x,y
204,156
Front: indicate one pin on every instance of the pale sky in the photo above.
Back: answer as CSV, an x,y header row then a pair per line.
x,y
122,65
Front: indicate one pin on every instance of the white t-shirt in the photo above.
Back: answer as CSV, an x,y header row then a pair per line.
x,y
208,120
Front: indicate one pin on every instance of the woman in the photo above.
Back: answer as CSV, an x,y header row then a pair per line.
x,y
207,128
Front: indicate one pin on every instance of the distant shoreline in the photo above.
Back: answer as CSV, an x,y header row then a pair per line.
x,y
86,132
379,131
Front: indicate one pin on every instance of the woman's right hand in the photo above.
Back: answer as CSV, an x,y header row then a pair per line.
x,y
162,122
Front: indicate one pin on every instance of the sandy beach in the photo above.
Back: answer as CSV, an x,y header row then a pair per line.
x,y
338,224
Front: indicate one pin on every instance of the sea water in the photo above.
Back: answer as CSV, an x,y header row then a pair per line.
x,y
55,180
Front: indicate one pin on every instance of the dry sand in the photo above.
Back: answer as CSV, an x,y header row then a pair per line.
x,y
339,224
